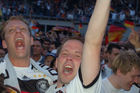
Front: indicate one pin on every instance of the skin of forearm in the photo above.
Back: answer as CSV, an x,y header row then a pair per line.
x,y
93,40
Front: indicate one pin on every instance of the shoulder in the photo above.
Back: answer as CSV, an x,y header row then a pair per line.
x,y
42,67
76,86
105,86
51,89
105,81
2,60
46,70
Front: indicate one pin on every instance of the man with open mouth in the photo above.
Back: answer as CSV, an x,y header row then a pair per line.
x,y
74,54
20,71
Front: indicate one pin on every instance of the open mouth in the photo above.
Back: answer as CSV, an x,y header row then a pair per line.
x,y
68,69
19,43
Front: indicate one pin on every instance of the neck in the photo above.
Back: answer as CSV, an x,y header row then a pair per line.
x,y
59,84
114,81
20,62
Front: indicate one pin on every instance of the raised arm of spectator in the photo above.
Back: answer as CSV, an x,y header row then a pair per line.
x,y
134,38
90,66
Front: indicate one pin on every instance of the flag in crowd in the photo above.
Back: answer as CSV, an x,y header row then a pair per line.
x,y
80,26
114,34
129,24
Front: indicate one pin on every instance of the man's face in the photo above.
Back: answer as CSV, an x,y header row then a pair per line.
x,y
113,54
48,60
46,44
128,79
69,60
52,47
37,48
17,39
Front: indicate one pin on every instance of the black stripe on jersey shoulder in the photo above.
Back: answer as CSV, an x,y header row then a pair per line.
x,y
1,60
41,65
49,68
45,68
32,66
52,71
7,74
92,83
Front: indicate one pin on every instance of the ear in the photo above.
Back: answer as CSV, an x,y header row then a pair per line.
x,y
32,40
4,44
118,72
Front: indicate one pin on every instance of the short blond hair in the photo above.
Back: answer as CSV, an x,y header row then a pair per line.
x,y
4,24
125,61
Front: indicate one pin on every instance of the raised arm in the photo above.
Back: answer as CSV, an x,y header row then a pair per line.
x,y
134,39
91,54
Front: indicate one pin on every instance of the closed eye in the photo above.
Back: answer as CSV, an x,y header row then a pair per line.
x,y
23,29
11,30
78,55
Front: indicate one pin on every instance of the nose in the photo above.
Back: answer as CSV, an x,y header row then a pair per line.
x,y
70,57
18,29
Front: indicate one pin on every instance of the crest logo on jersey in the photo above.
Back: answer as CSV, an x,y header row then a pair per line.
x,y
42,85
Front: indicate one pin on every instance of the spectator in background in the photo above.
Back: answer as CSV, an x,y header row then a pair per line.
x,y
48,59
122,16
80,10
37,51
46,46
114,16
132,12
52,47
112,51
103,59
126,69
134,39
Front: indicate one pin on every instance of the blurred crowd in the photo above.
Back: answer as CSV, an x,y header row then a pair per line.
x,y
68,9
118,60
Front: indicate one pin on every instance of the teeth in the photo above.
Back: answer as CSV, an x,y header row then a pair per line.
x,y
19,39
68,67
19,43
20,47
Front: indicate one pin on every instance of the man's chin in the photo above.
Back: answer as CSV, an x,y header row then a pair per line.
x,y
66,81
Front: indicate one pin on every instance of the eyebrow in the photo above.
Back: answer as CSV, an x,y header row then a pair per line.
x,y
77,51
